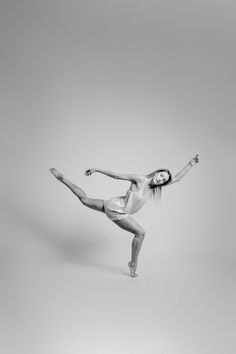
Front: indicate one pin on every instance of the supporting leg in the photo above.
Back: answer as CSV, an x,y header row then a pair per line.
x,y
136,246
132,226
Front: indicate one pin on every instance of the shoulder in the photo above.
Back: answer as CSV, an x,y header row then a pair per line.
x,y
140,179
138,182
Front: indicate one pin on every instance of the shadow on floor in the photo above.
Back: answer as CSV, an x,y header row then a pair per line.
x,y
80,247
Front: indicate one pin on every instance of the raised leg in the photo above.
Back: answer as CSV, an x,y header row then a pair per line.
x,y
96,204
130,225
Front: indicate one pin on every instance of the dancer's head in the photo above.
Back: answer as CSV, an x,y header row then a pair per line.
x,y
159,178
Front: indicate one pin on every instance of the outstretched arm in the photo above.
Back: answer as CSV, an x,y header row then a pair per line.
x,y
127,177
186,168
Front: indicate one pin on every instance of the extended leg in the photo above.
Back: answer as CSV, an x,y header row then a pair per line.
x,y
132,226
75,189
96,204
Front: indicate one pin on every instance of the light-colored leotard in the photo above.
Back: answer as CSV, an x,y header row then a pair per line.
x,y
120,207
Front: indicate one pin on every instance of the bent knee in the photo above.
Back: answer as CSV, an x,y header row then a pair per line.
x,y
85,201
141,234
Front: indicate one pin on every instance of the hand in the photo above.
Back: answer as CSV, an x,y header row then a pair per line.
x,y
89,171
194,160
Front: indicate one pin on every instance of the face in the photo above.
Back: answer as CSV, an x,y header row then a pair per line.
x,y
161,177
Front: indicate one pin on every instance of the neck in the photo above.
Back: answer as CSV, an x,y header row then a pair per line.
x,y
151,184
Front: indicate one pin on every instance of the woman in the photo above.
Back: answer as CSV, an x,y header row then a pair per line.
x,y
119,209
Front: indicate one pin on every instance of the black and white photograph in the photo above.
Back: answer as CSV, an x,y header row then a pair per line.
x,y
117,177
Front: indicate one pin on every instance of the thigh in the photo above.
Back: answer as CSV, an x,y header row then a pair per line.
x,y
96,204
130,225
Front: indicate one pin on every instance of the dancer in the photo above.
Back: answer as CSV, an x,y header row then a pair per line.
x,y
119,209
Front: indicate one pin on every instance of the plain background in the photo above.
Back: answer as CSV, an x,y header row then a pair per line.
x,y
128,86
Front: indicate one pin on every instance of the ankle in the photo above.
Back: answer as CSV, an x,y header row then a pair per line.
x,y
61,178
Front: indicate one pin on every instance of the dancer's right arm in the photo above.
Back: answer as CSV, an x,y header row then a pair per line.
x,y
127,177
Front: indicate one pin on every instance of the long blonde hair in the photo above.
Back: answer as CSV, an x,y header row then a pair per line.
x,y
156,194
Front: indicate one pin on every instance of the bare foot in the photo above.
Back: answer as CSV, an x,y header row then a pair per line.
x,y
56,173
132,269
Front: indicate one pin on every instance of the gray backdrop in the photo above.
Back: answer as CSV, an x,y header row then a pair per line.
x,y
129,86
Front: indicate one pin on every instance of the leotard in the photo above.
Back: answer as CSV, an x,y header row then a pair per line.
x,y
118,208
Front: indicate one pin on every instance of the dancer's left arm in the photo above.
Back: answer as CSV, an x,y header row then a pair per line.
x,y
128,177
186,168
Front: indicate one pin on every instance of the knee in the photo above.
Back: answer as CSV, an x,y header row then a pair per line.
x,y
84,201
141,235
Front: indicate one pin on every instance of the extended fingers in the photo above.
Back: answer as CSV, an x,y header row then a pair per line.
x,y
89,171
196,158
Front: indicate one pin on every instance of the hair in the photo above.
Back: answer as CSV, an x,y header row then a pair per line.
x,y
156,190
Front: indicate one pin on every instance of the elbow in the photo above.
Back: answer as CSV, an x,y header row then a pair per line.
x,y
175,179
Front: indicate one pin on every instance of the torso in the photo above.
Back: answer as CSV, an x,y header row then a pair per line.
x,y
142,185
136,196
